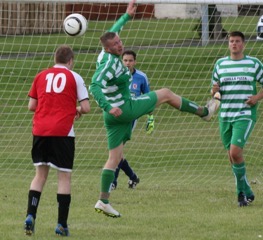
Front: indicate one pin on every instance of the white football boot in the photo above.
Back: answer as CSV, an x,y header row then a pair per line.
x,y
107,209
212,106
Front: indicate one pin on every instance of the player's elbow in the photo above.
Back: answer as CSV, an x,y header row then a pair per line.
x,y
30,108
32,105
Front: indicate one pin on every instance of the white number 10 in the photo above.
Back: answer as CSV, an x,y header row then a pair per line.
x,y
53,82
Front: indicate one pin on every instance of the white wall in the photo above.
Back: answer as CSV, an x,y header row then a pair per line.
x,y
189,10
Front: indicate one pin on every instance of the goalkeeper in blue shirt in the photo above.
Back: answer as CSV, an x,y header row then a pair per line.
x,y
138,86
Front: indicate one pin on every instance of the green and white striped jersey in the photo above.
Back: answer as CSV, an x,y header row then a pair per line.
x,y
237,80
111,80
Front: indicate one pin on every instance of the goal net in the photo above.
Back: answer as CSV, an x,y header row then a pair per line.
x,y
177,44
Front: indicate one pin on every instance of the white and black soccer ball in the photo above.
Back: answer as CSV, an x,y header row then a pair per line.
x,y
75,24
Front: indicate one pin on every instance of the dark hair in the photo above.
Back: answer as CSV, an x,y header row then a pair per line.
x,y
63,54
107,36
237,34
129,52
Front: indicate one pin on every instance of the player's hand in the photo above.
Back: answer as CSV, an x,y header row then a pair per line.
x,y
215,88
78,113
131,9
252,100
150,124
115,111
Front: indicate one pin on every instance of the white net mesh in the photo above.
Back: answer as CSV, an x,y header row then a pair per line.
x,y
166,37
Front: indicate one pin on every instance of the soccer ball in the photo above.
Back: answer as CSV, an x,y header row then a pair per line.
x,y
75,24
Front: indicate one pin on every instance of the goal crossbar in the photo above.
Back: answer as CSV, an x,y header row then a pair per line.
x,y
244,2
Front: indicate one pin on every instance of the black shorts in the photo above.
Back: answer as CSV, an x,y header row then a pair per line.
x,y
57,152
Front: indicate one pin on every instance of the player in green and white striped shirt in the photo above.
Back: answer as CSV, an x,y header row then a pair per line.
x,y
110,88
236,77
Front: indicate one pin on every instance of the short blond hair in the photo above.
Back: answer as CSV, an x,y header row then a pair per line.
x,y
107,36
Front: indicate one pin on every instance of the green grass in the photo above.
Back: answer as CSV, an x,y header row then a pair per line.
x,y
187,188
156,211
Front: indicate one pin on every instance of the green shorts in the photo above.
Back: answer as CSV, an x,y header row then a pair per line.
x,y
236,133
119,129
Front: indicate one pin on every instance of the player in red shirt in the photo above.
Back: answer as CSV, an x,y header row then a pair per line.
x,y
53,99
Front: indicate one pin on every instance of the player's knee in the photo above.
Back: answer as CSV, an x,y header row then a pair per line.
x,y
166,90
164,94
41,179
236,156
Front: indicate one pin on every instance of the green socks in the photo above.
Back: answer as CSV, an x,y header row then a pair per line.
x,y
242,184
191,107
107,177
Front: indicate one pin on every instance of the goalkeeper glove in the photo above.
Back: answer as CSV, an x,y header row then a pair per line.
x,y
150,124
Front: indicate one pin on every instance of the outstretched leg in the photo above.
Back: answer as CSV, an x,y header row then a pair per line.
x,y
165,95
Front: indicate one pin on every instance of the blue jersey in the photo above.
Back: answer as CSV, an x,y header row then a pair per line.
x,y
139,84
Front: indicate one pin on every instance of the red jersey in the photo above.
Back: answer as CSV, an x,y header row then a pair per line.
x,y
57,91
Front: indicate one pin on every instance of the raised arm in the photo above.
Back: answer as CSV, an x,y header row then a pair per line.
x,y
131,9
130,12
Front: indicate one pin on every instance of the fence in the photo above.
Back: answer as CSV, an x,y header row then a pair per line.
x,y
36,18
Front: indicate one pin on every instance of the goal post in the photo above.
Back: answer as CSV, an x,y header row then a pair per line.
x,y
164,34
